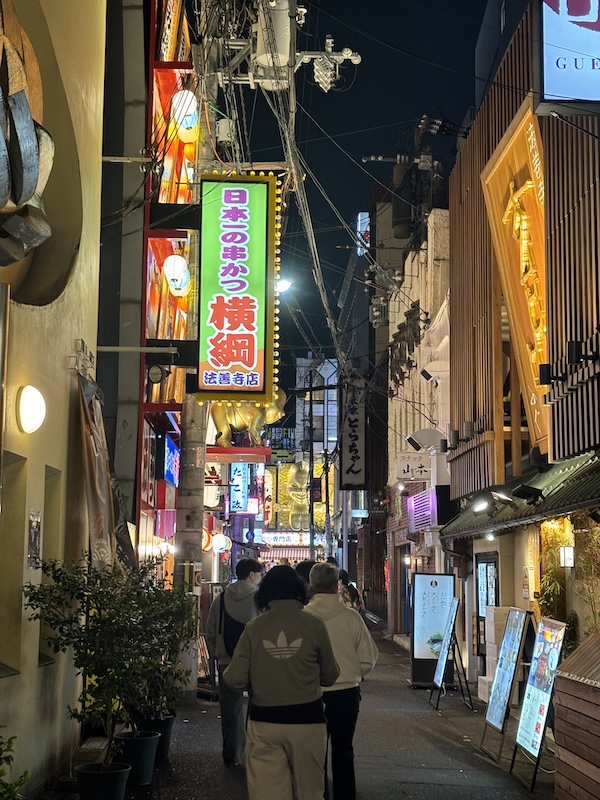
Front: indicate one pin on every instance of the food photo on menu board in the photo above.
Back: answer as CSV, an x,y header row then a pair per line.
x,y
545,660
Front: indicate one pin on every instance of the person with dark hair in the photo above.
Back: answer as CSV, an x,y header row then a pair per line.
x,y
227,618
332,560
283,658
303,569
356,655
350,594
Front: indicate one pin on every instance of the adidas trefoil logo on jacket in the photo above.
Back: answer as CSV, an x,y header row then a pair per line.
x,y
282,649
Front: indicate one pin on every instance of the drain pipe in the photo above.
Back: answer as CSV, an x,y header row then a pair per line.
x,y
4,306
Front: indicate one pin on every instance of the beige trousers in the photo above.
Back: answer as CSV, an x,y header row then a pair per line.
x,y
285,762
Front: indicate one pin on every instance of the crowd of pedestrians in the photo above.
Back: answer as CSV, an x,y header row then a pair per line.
x,y
294,641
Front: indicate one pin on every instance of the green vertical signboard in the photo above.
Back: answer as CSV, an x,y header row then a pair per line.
x,y
236,309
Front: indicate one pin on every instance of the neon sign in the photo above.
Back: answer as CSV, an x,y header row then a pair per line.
x,y
236,287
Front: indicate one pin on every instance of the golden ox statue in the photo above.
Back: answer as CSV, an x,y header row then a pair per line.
x,y
246,417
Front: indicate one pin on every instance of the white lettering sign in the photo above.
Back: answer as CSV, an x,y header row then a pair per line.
x,y
571,51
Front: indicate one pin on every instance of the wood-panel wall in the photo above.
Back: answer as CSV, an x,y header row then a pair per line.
x,y
476,355
572,209
573,285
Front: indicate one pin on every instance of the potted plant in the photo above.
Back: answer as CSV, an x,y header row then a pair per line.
x,y
174,629
9,790
104,617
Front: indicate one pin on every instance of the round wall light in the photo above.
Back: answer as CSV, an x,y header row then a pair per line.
x,y
31,409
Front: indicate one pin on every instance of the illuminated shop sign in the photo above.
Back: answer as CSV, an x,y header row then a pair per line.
x,y
238,494
167,460
571,50
514,191
236,288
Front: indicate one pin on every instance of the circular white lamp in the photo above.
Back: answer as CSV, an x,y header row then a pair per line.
x,y
282,285
31,409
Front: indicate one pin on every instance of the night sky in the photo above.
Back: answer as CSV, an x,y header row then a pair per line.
x,y
417,58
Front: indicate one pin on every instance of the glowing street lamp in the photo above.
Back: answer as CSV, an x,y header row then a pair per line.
x,y
282,285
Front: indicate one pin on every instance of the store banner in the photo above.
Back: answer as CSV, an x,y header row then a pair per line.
x,y
236,309
570,44
96,468
353,461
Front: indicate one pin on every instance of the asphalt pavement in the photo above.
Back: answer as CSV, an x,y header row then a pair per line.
x,y
404,747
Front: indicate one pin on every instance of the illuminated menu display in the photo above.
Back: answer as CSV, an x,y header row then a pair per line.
x,y
440,667
546,655
433,595
508,658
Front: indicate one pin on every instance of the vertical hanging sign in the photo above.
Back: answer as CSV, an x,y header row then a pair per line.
x,y
352,442
238,489
236,310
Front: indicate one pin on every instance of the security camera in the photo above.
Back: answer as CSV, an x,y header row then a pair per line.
x,y
427,375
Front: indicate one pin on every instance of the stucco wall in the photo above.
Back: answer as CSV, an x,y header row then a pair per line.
x,y
43,470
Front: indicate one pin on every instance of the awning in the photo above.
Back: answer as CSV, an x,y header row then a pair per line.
x,y
571,485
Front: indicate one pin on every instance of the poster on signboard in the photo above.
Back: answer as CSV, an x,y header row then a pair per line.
x,y
546,655
440,668
432,595
509,656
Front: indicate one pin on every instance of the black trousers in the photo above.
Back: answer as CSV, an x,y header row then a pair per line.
x,y
341,711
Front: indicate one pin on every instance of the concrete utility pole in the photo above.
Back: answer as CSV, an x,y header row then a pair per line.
x,y
190,500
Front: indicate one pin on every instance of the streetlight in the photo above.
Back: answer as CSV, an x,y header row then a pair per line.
x,y
282,285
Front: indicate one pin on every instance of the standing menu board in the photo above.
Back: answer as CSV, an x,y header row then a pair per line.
x,y
546,655
508,658
432,595
438,677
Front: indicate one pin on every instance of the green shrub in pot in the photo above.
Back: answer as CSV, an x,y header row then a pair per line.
x,y
115,623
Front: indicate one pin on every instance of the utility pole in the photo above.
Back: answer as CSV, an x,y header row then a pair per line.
x,y
190,499
328,540
311,464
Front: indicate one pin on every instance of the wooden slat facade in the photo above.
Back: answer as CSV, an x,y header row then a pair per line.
x,y
577,735
572,206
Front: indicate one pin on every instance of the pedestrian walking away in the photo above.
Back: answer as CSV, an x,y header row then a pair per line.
x,y
350,594
356,655
227,618
283,659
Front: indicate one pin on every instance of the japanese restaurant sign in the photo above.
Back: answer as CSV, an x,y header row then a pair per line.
x,y
236,287
238,489
353,462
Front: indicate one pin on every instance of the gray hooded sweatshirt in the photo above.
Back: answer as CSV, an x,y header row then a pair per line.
x,y
239,604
